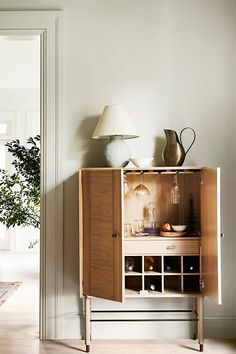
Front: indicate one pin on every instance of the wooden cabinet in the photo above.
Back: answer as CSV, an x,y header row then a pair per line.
x,y
186,266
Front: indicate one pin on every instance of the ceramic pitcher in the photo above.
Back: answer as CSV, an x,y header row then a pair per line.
x,y
173,153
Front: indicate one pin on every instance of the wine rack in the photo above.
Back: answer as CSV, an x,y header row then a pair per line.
x,y
162,274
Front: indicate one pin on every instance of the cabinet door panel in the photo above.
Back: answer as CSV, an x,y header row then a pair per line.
x,y
211,234
102,253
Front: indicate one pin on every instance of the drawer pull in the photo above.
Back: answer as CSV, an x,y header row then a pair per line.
x,y
115,235
172,247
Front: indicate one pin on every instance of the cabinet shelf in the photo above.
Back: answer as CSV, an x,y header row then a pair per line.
x,y
129,292
151,272
153,293
172,273
132,273
158,237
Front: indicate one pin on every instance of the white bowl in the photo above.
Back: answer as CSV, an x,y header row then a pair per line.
x,y
141,161
179,228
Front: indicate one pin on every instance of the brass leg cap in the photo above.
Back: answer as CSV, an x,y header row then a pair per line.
x,y
87,348
201,347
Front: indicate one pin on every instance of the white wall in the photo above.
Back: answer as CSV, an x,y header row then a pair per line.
x,y
172,64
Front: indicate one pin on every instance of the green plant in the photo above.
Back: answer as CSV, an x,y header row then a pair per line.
x,y
20,191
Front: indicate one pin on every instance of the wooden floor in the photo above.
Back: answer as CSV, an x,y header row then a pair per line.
x,y
25,344
19,323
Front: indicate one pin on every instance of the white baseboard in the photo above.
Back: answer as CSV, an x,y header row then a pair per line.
x,y
220,327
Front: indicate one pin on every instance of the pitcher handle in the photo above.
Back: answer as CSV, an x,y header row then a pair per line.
x,y
194,138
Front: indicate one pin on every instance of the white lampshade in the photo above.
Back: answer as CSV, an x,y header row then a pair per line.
x,y
114,121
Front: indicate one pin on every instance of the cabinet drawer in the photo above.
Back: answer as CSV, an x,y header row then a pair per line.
x,y
161,247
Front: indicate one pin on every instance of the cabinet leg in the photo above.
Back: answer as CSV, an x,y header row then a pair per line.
x,y
200,310
87,323
194,310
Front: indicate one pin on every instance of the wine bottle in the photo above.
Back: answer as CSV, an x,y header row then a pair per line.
x,y
148,263
150,285
129,264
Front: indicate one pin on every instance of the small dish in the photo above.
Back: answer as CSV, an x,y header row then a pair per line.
x,y
179,228
141,161
173,233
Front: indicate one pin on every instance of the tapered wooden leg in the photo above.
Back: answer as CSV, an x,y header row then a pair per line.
x,y
194,310
200,310
87,323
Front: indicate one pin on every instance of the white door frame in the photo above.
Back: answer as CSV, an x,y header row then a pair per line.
x,y
47,24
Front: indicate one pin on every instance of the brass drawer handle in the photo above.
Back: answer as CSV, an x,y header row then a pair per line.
x,y
115,235
170,247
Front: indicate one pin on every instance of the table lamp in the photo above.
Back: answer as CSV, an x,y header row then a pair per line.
x,y
115,125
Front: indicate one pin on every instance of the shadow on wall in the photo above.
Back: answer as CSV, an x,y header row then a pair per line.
x,y
91,149
159,146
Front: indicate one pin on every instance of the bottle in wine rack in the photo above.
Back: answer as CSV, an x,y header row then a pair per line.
x,y
168,267
129,264
191,264
148,263
151,285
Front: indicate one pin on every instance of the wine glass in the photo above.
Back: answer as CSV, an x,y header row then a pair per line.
x,y
127,186
175,191
141,190
128,229
138,226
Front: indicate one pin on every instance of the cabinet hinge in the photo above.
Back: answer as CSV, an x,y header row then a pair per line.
x,y
201,179
201,281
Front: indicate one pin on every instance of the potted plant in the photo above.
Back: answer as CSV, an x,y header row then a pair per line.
x,y
20,190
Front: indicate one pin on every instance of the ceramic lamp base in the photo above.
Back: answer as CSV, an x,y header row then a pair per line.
x,y
116,152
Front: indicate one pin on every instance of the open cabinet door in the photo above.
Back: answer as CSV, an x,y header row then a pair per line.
x,y
102,233
211,234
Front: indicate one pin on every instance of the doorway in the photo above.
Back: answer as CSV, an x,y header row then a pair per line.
x,y
47,24
19,120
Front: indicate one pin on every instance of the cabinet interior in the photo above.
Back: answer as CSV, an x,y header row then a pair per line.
x,y
159,184
163,273
176,264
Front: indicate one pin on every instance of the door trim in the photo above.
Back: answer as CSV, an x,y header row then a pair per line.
x,y
47,24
